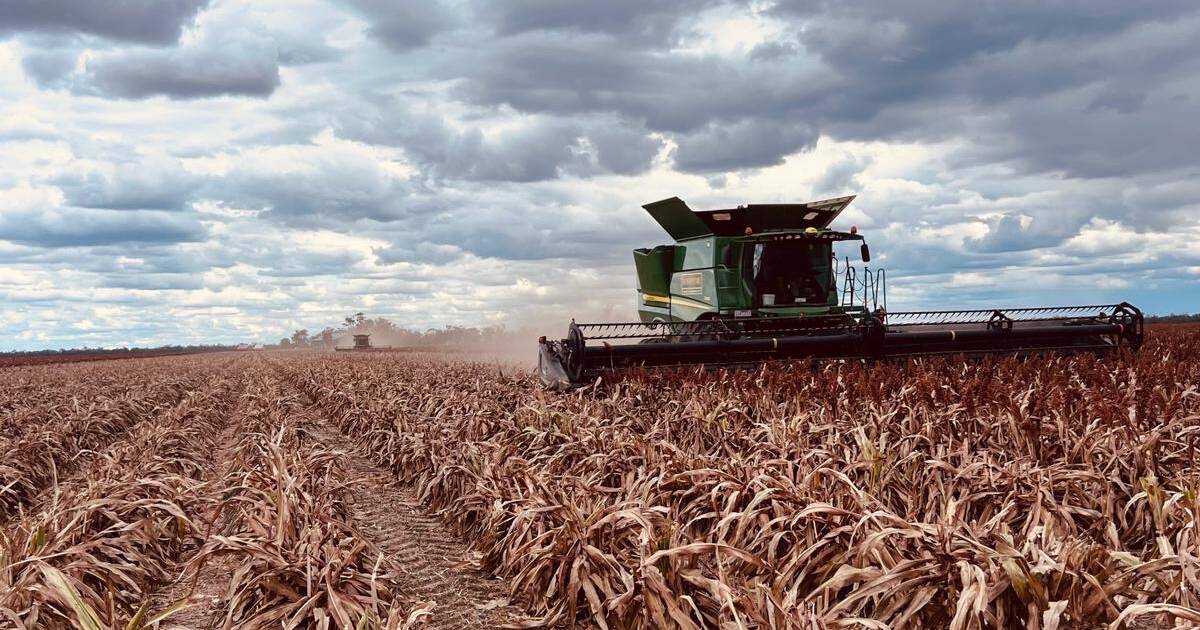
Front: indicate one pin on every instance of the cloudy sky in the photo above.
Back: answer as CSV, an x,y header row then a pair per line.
x,y
226,170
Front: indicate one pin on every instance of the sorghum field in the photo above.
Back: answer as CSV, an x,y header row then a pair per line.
x,y
412,490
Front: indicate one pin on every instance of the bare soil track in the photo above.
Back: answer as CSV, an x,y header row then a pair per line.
x,y
204,585
438,572
438,568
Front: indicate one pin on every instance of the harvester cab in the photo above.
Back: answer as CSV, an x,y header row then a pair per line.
x,y
761,282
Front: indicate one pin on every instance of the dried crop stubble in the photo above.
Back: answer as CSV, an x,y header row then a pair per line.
x,y
92,555
300,561
997,492
52,439
104,549
32,397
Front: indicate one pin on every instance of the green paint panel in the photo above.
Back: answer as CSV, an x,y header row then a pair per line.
x,y
654,267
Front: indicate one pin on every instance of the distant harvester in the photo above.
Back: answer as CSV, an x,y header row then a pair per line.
x,y
362,341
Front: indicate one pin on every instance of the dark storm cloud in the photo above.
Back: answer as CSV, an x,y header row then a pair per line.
x,y
697,100
539,149
560,73
924,71
1061,134
134,186
1076,87
744,144
654,21
213,68
403,25
158,22
76,227
927,34
623,149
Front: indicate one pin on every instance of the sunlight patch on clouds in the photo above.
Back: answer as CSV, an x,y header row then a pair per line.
x,y
1111,239
972,279
330,241
731,30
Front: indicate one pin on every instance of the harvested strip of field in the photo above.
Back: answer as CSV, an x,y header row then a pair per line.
x,y
940,494
435,567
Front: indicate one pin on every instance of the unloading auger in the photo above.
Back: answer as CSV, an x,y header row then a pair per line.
x,y
759,282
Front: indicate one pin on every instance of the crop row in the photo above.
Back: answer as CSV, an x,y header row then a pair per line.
x,y
77,420
287,533
102,544
219,510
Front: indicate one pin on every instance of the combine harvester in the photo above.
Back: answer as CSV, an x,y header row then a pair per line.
x,y
362,343
759,282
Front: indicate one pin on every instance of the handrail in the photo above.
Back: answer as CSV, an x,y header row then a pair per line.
x,y
869,286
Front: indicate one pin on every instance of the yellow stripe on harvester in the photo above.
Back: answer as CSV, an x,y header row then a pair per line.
x,y
682,301
674,300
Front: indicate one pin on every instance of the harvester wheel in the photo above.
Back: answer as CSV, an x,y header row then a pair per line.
x,y
574,353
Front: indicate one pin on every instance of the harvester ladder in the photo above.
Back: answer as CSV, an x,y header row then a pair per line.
x,y
870,287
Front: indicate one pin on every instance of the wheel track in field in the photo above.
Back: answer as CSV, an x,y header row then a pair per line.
x,y
438,567
205,585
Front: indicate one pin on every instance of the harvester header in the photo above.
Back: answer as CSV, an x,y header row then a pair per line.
x,y
761,282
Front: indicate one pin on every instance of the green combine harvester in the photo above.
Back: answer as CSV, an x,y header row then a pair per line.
x,y
760,282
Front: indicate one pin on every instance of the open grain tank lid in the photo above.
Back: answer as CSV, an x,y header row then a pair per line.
x,y
683,223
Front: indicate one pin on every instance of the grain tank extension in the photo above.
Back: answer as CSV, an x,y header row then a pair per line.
x,y
762,282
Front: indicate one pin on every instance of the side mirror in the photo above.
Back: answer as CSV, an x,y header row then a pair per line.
x,y
866,253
